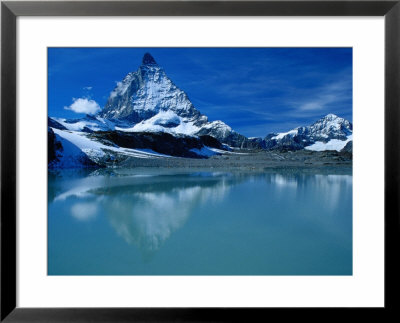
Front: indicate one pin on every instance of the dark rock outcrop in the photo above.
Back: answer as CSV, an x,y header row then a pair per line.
x,y
348,147
160,142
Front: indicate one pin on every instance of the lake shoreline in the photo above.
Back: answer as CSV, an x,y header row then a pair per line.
x,y
251,160
171,167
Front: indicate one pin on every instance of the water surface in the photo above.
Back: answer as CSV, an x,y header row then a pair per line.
x,y
200,222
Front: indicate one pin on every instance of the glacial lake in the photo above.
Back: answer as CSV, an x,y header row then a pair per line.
x,y
200,222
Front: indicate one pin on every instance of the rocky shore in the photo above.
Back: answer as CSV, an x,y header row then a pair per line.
x,y
250,160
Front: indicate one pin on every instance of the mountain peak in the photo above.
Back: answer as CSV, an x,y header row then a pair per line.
x,y
148,59
331,122
331,116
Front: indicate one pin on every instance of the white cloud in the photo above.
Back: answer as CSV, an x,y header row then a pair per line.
x,y
328,94
83,105
88,88
84,211
318,104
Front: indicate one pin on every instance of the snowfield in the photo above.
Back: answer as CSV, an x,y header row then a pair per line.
x,y
164,121
333,144
94,124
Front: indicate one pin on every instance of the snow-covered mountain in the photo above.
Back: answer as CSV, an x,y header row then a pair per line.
x,y
143,94
328,133
148,101
148,116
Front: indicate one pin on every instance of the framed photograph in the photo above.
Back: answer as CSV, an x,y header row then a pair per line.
x,y
194,160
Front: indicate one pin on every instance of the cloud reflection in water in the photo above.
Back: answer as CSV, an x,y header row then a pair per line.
x,y
146,210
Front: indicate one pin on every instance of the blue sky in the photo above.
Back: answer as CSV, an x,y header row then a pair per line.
x,y
256,91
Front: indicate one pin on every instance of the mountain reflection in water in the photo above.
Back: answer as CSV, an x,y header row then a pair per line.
x,y
146,208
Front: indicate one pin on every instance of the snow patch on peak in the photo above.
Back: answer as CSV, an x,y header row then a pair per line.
x,y
331,116
167,119
164,121
284,134
219,125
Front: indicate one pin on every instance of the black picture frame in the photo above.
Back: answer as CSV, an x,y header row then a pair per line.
x,y
10,10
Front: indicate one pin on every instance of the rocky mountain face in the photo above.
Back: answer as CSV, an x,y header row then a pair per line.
x,y
328,133
148,101
146,92
348,148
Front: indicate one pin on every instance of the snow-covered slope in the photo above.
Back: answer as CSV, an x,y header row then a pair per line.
x,y
86,124
97,150
328,133
165,121
72,149
64,154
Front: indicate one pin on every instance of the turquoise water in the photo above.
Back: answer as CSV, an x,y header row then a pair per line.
x,y
177,222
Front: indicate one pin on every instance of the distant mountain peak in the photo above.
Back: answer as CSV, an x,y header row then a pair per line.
x,y
328,133
331,116
148,59
332,121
